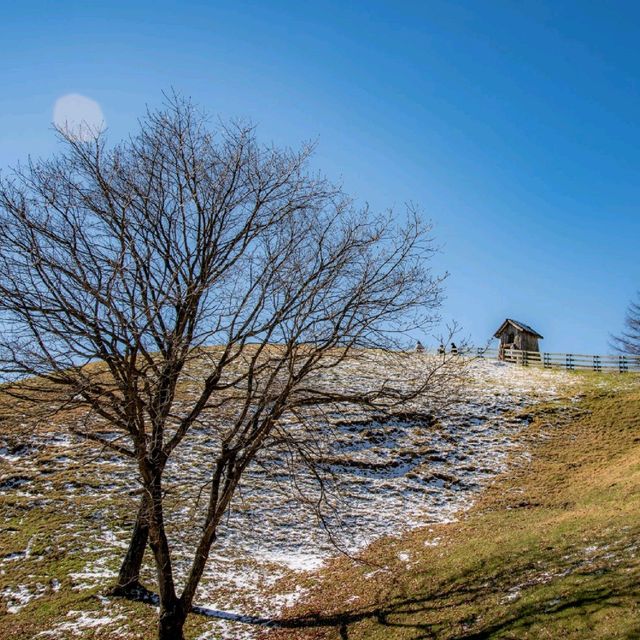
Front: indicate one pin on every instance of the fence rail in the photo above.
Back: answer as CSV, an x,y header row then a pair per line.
x,y
570,361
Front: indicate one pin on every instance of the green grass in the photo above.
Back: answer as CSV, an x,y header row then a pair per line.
x,y
551,550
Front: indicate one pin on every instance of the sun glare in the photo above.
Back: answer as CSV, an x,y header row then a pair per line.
x,y
78,116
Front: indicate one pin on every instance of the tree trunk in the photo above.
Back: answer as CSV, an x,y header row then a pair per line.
x,y
128,584
171,622
172,611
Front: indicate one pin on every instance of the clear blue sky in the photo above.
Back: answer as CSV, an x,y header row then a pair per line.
x,y
515,125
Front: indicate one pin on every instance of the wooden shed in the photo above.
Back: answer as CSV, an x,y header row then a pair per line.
x,y
517,335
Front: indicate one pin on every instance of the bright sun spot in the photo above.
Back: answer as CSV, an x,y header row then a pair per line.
x,y
78,116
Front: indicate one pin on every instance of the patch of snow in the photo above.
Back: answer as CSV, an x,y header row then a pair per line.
x,y
17,597
284,600
434,542
293,561
512,595
83,621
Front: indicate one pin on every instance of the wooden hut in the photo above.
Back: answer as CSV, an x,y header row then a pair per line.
x,y
517,335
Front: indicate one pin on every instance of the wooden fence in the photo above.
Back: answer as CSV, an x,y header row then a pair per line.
x,y
570,361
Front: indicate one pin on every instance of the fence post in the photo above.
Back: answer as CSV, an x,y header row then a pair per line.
x,y
622,364
568,361
525,358
596,363
480,352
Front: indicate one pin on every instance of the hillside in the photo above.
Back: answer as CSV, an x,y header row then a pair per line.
x,y
549,551
557,439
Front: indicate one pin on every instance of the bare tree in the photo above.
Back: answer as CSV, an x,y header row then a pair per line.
x,y
187,254
629,340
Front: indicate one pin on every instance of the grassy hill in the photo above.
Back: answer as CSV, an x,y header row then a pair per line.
x,y
550,551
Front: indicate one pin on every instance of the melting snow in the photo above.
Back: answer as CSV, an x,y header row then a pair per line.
x,y
391,475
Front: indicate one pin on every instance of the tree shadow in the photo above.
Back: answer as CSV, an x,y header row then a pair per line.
x,y
413,614
433,615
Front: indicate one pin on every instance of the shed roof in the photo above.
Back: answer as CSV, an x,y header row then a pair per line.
x,y
521,326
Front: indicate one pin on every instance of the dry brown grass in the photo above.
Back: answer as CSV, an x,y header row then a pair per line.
x,y
549,551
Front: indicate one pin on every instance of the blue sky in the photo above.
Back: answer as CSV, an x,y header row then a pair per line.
x,y
514,125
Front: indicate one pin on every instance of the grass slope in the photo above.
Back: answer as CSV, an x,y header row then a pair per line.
x,y
47,541
551,550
